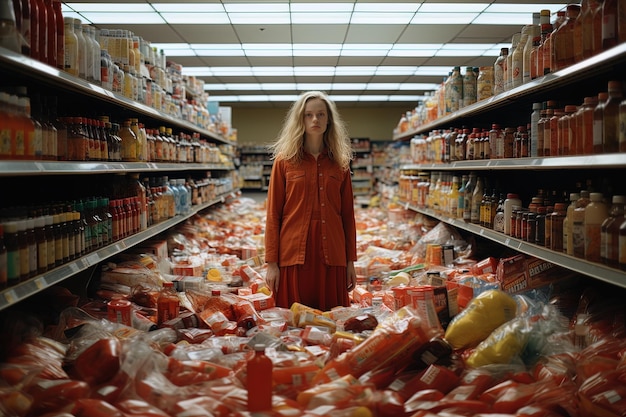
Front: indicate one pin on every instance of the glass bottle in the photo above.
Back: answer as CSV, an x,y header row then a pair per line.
x,y
598,123
534,129
588,27
467,197
577,32
476,200
578,225
610,116
83,52
568,245
609,232
516,71
129,142
556,224
541,123
454,90
72,54
540,226
13,252
60,34
545,50
168,303
259,380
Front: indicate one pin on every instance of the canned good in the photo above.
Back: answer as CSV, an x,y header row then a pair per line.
x,y
118,311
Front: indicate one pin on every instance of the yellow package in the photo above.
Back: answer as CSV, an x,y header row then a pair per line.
x,y
503,345
483,315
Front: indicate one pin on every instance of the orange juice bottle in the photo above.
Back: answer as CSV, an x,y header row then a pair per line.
x,y
259,380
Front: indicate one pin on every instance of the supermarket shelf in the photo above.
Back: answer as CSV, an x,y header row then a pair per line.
x,y
23,168
23,290
35,70
615,160
587,69
594,270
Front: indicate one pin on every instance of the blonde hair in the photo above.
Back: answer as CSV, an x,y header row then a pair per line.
x,y
289,144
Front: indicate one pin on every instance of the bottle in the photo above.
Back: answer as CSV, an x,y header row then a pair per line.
x,y
24,249
71,58
42,244
508,67
499,219
588,17
13,252
595,213
454,90
545,48
610,115
499,69
609,24
467,197
259,380
622,246
484,83
556,223
129,142
168,303
578,225
547,240
568,245
577,31
82,49
512,200
60,34
9,33
609,232
534,120
469,87
460,209
476,200
598,123
532,32
563,39
516,72
585,138
540,226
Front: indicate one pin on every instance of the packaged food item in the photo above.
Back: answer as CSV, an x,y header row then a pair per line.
x,y
483,315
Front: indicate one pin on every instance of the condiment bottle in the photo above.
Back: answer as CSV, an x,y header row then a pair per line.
x,y
568,245
547,241
168,303
42,244
595,213
476,199
512,200
578,225
598,123
563,39
609,232
499,71
13,252
540,227
259,380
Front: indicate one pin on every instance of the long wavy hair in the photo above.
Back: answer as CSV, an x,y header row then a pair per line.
x,y
290,142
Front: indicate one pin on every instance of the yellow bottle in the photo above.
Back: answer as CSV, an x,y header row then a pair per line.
x,y
129,142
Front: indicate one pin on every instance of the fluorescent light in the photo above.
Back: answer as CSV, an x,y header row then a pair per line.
x,y
320,18
189,7
452,8
314,71
196,18
340,71
109,7
256,7
381,18
349,86
260,18
316,7
386,7
523,8
445,18
504,19
126,18
394,70
313,86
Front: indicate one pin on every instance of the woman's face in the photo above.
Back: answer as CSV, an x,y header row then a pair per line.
x,y
315,117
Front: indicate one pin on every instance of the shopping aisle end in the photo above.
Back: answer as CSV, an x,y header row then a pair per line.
x,y
431,320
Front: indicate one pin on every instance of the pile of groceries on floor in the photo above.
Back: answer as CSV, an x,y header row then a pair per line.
x,y
184,325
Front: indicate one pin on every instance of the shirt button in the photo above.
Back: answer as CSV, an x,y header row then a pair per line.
x,y
321,188
320,175
324,238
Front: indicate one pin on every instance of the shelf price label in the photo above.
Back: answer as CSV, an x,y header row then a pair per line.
x,y
507,241
40,283
10,296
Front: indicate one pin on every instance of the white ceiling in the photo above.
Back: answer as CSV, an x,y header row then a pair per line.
x,y
417,37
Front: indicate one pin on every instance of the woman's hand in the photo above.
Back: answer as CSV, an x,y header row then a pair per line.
x,y
272,276
351,278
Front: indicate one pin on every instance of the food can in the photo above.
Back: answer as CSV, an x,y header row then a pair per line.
x,y
119,312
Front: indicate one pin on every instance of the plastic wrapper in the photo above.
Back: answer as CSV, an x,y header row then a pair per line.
x,y
391,344
483,315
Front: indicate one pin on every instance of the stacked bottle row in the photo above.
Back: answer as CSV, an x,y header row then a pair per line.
x,y
595,126
115,59
552,42
31,133
587,225
50,235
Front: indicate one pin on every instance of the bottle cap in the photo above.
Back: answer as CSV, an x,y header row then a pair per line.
x,y
259,347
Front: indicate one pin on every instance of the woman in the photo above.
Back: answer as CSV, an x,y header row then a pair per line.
x,y
310,232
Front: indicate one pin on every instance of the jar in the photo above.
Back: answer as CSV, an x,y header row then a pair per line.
x,y
484,83
531,228
547,241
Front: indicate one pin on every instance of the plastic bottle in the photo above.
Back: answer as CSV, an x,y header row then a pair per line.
x,y
259,380
563,39
578,225
83,52
556,224
512,200
609,232
454,90
467,197
516,72
598,123
534,120
469,87
168,303
71,56
595,213
499,68
609,24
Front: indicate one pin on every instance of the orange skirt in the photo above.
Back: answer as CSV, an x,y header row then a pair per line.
x,y
314,283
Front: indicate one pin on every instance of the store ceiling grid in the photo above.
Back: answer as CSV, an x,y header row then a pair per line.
x,y
384,53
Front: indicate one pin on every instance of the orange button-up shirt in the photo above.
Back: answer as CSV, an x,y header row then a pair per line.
x,y
290,204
